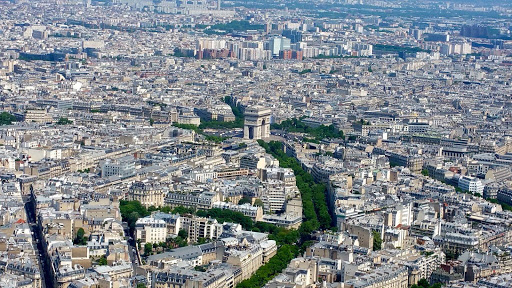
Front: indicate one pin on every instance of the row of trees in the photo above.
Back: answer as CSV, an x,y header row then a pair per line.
x,y
227,216
505,206
234,26
265,273
318,133
131,211
281,235
396,49
314,203
315,212
287,240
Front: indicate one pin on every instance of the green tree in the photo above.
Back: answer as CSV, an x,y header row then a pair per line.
x,y
505,206
64,121
258,202
183,210
141,285
423,283
215,139
424,172
200,268
80,233
80,238
102,261
377,241
151,121
6,118
227,216
131,219
131,211
318,133
148,249
245,200
451,255
183,234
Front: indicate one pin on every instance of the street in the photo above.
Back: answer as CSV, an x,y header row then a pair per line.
x,y
37,237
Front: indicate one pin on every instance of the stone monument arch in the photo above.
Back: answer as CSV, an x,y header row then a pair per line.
x,y
257,122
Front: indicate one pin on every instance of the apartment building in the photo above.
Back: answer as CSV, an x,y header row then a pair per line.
x,y
150,230
148,194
